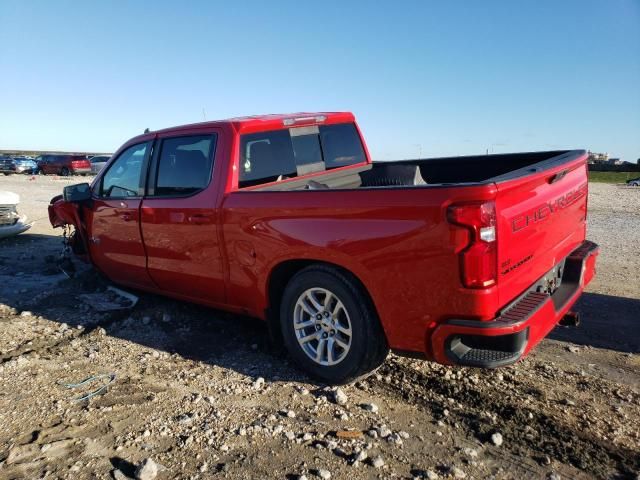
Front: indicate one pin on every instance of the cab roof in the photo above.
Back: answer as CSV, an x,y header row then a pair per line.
x,y
271,121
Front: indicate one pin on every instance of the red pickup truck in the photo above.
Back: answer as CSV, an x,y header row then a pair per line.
x,y
463,260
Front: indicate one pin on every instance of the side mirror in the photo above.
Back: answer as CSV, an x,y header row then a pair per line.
x,y
76,193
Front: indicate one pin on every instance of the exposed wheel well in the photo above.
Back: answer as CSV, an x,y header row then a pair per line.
x,y
279,279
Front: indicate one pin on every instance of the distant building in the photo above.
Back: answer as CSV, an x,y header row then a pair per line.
x,y
598,157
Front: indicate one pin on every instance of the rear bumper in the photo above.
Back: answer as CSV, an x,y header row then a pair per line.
x,y
80,171
510,336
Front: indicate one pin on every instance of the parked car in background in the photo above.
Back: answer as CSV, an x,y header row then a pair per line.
x,y
634,182
463,260
98,162
25,165
7,165
63,164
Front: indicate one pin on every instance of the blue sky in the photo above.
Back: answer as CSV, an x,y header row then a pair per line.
x,y
425,77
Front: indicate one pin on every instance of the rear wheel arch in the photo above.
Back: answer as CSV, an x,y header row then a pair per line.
x,y
281,275
343,338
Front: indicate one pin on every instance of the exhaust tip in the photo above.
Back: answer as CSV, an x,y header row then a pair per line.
x,y
571,319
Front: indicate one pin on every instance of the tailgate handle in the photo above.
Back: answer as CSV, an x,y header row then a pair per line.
x,y
558,176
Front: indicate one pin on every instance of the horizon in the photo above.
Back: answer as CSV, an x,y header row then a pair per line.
x,y
424,80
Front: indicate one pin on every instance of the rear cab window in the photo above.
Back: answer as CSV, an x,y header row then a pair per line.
x,y
278,155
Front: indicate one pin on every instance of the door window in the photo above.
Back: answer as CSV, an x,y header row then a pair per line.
x,y
185,165
122,180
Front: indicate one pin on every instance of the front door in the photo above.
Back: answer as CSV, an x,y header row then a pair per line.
x,y
179,218
115,243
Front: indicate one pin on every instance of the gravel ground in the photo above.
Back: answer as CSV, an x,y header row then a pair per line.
x,y
202,395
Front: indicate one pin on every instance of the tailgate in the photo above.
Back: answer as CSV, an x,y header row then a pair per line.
x,y
541,219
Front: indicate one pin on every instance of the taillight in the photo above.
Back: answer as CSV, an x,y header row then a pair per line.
x,y
478,260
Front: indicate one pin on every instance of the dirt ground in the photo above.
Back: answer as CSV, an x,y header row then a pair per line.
x,y
203,395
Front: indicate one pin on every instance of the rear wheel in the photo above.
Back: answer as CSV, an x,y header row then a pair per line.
x,y
64,171
330,327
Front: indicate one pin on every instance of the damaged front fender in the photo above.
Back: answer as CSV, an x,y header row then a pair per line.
x,y
63,214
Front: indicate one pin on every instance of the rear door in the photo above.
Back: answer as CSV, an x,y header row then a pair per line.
x,y
179,218
115,243
541,219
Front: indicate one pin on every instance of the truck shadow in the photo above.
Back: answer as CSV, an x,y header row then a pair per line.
x,y
30,281
607,322
228,341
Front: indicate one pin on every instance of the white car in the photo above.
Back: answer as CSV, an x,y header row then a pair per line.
x,y
11,223
98,162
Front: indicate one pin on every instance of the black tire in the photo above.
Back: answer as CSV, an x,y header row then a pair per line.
x,y
64,171
368,348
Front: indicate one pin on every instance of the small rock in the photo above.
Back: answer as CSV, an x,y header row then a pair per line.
x,y
457,473
323,473
554,476
26,313
496,438
291,414
146,320
431,475
377,462
302,477
573,349
166,317
360,456
340,397
384,431
257,385
470,452
118,475
147,470
185,418
371,407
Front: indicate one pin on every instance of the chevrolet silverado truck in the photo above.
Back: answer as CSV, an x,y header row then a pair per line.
x,y
466,260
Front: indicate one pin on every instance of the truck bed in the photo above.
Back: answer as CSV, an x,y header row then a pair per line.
x,y
477,169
